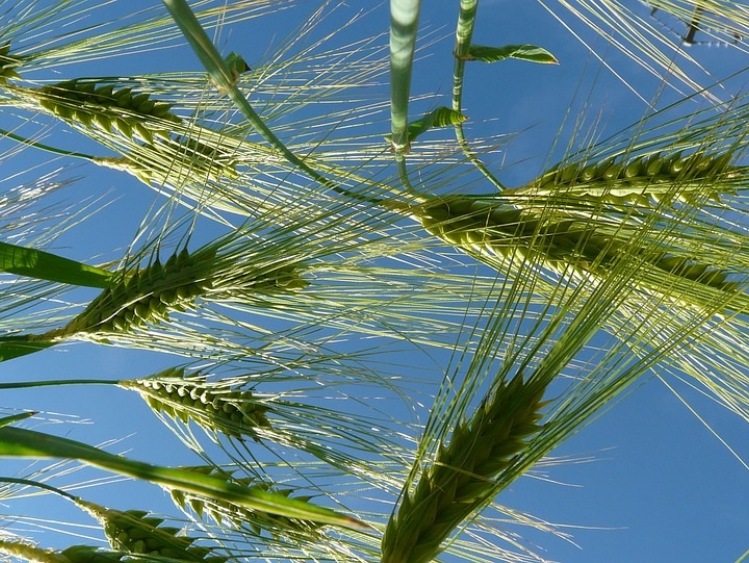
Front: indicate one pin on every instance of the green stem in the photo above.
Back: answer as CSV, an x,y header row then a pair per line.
x,y
44,147
463,35
38,485
220,75
47,383
404,21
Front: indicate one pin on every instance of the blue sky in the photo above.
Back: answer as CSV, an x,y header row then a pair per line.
x,y
658,486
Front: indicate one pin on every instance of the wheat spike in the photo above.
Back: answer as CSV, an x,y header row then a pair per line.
x,y
229,411
463,476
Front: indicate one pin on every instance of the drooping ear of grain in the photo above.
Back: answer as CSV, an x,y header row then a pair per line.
x,y
228,411
503,231
19,550
461,479
176,161
133,114
230,515
134,531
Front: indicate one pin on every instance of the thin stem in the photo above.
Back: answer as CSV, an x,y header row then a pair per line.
x,y
463,34
39,485
47,148
52,382
221,77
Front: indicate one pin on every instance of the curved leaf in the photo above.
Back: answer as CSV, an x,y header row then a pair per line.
x,y
522,52
18,442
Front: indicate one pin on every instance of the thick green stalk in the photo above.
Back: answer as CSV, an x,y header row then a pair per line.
x,y
404,21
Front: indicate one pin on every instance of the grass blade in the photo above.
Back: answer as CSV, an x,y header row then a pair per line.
x,y
17,442
42,265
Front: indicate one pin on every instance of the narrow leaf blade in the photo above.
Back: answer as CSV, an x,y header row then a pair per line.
x,y
42,265
529,53
18,442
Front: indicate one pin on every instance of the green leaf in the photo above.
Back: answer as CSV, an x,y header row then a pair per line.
x,y
41,265
17,442
21,345
5,421
523,52
440,117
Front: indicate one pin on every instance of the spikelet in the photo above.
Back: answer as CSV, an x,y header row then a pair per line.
x,y
147,295
8,64
229,411
134,531
670,176
462,477
130,113
237,517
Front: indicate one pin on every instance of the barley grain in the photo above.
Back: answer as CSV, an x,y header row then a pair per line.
x,y
72,554
8,64
463,476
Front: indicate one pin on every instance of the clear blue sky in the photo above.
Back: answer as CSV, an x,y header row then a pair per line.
x,y
659,487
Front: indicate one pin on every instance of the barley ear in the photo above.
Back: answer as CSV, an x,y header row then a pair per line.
x,y
669,176
134,115
229,411
463,476
134,531
146,295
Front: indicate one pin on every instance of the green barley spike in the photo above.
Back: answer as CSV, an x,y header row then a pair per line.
x,y
147,295
462,477
73,554
8,64
134,531
229,411
501,231
133,115
668,175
